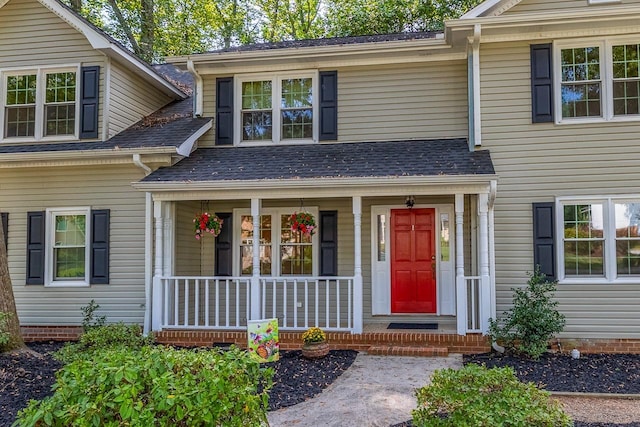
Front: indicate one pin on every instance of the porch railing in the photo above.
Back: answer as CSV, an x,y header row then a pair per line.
x,y
477,304
225,302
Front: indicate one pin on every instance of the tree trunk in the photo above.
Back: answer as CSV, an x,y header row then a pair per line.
x,y
7,301
76,5
147,29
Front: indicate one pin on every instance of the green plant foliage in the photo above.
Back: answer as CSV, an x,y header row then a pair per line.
x,y
480,397
99,338
89,318
5,337
532,321
156,386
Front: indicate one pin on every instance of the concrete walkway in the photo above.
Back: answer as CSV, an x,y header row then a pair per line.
x,y
374,391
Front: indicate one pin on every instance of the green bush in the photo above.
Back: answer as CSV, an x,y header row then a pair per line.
x,y
475,396
533,320
99,338
155,386
89,318
4,333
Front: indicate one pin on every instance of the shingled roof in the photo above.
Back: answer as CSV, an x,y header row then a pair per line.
x,y
336,160
332,41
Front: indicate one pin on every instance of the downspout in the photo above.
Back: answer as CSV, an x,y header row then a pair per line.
x,y
493,191
148,251
197,97
475,131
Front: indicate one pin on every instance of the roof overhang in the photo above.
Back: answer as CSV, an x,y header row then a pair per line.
x,y
490,8
101,42
326,187
548,25
357,54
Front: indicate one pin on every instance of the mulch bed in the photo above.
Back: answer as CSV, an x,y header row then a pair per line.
x,y
30,376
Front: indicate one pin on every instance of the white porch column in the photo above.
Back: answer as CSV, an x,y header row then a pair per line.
x,y
148,262
168,215
461,287
157,320
357,265
485,288
256,206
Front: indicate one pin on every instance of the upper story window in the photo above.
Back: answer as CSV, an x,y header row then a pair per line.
x,y
40,103
597,80
277,108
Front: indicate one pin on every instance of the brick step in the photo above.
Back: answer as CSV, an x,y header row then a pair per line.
x,y
404,350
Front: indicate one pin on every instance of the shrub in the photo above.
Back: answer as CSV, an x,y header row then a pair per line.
x,y
155,386
533,320
5,337
89,318
100,338
481,397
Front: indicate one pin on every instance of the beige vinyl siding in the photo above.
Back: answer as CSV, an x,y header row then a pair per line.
x,y
104,187
131,99
386,103
188,249
536,163
528,6
33,36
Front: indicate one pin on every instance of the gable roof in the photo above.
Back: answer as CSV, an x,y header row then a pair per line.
x,y
101,41
335,161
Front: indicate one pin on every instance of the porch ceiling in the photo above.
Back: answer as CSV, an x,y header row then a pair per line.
x,y
326,163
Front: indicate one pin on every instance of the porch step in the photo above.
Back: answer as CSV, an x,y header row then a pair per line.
x,y
405,350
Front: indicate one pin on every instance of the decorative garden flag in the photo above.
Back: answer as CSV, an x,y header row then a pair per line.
x,y
263,341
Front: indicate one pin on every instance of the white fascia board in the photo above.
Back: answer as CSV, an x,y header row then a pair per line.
x,y
313,52
376,183
51,156
186,147
479,10
100,42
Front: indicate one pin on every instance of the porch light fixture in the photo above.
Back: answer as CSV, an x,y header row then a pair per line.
x,y
410,201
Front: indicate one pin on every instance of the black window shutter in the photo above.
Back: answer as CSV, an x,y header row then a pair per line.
x,y
541,83
90,84
100,247
224,246
224,111
328,105
35,248
328,243
543,239
5,228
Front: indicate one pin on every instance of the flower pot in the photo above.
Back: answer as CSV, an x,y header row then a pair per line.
x,y
315,350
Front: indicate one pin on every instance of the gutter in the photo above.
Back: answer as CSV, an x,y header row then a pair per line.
x,y
186,147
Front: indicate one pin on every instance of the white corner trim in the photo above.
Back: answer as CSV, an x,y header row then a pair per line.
x,y
477,114
500,6
186,147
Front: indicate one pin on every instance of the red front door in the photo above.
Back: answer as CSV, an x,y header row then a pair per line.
x,y
413,265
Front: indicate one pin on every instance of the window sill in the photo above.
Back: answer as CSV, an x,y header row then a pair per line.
x,y
271,143
67,284
600,281
22,140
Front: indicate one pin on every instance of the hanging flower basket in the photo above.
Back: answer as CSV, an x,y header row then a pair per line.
x,y
303,222
205,223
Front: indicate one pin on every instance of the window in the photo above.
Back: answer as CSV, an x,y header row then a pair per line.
x,y
282,251
600,239
68,244
598,80
277,108
40,103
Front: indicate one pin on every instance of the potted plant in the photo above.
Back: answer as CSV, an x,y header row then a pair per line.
x,y
314,343
205,223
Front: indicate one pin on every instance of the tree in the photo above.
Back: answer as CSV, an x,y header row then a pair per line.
x,y
7,300
291,19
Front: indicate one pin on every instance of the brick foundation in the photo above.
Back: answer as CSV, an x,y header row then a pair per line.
x,y
383,343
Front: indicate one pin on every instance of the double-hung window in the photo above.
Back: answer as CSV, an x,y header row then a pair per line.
x,y
277,108
283,252
600,239
597,80
68,247
40,103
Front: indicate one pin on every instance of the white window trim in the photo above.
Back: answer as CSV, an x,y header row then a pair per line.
x,y
275,239
606,76
275,98
50,230
608,208
604,1
40,102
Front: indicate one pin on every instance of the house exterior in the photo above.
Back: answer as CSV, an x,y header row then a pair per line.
x,y
439,169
